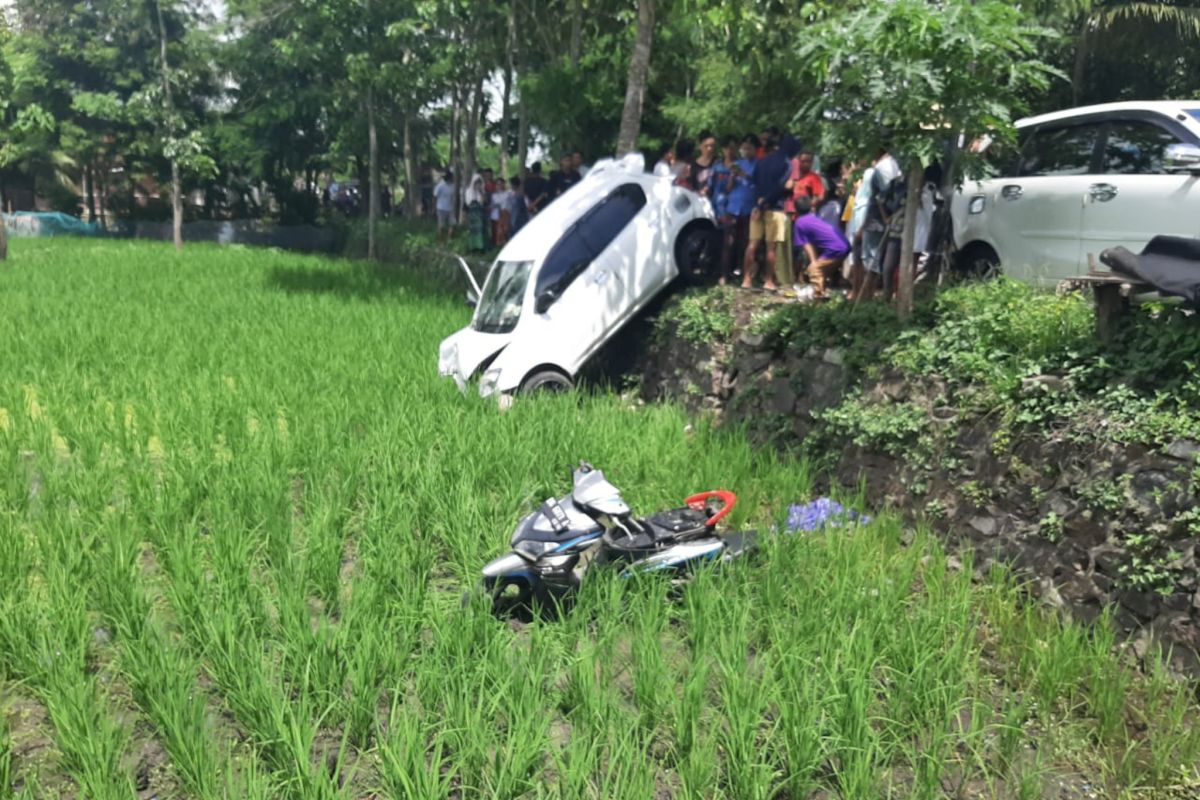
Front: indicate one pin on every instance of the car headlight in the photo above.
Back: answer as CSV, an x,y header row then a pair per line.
x,y
487,384
977,204
534,550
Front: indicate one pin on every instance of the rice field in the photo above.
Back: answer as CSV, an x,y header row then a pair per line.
x,y
238,510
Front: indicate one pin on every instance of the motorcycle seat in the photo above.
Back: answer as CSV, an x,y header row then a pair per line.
x,y
1170,264
660,530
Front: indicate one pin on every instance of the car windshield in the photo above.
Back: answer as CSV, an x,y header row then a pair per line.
x,y
503,293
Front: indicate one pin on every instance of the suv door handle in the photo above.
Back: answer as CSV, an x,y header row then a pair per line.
x,y
1012,192
1101,192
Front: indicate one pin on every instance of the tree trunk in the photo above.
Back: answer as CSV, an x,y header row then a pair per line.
x,y
1083,47
473,130
941,230
576,32
522,138
3,238
912,202
456,149
373,176
506,103
635,87
412,191
88,205
102,196
176,207
176,198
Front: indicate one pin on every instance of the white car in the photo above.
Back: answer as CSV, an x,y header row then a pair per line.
x,y
1082,181
575,274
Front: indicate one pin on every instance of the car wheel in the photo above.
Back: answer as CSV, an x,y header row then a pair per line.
x,y
979,262
697,253
547,380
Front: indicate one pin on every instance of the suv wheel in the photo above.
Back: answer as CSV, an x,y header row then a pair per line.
x,y
979,262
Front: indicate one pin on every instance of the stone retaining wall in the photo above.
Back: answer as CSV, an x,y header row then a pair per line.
x,y
1087,523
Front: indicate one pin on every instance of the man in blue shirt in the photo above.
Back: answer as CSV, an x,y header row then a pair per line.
x,y
739,204
720,183
769,220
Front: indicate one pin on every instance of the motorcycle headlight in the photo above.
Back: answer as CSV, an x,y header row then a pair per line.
x,y
533,550
487,384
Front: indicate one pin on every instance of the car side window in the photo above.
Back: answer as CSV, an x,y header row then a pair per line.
x,y
589,236
1136,147
1062,150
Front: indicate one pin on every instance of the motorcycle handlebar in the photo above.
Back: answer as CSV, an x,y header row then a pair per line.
x,y
727,498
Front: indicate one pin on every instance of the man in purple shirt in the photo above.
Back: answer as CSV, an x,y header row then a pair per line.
x,y
824,244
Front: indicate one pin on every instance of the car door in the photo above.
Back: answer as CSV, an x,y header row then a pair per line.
x,y
1135,198
589,271
1035,217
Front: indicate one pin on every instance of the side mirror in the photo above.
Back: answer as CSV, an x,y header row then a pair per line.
x,y
544,300
472,298
1181,158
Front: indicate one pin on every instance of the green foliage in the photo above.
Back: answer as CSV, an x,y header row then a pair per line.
x,y
998,333
908,75
861,330
892,428
1150,566
1050,527
699,317
1106,495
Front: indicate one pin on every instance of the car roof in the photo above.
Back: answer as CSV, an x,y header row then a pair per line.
x,y
1171,108
545,228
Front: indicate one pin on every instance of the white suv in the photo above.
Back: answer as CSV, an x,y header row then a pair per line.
x,y
1082,181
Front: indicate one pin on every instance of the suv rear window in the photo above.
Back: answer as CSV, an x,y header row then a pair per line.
x,y
588,237
1066,150
1135,147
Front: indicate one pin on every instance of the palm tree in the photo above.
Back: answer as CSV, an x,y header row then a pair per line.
x,y
1102,20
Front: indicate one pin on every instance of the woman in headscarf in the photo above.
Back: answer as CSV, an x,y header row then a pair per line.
x,y
475,201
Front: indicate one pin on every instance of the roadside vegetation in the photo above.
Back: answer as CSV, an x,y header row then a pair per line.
x,y
1003,348
238,509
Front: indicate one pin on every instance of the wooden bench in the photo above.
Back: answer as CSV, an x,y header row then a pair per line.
x,y
1111,291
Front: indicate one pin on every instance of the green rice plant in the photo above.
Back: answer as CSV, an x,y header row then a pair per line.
x,y
855,749
803,725
1108,682
238,509
652,675
414,761
687,721
7,770
743,688
625,771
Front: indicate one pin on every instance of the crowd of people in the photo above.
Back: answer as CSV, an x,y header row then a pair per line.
x,y
778,211
494,208
787,223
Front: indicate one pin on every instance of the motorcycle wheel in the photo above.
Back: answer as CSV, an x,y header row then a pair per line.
x,y
507,596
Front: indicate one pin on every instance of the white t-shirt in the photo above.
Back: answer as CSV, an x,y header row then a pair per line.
x,y
888,168
499,201
444,193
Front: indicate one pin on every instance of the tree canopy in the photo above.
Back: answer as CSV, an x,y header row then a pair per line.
x,y
271,100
